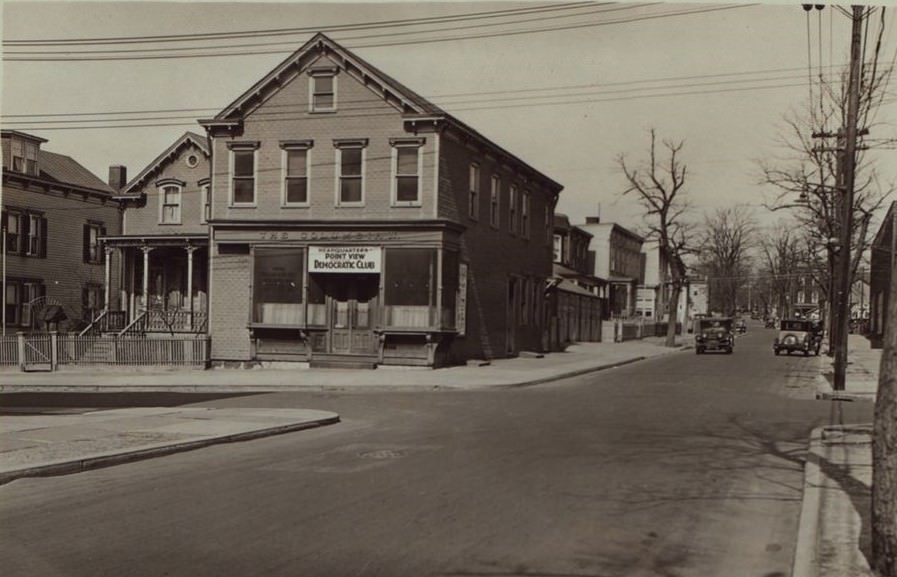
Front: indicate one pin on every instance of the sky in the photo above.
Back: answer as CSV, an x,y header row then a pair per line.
x,y
567,87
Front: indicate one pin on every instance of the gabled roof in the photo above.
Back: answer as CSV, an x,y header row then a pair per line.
x,y
884,231
298,61
413,106
64,169
132,188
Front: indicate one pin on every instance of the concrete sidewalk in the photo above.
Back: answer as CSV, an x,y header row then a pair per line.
x,y
52,444
834,523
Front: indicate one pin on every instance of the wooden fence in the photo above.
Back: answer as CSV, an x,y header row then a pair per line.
x,y
51,351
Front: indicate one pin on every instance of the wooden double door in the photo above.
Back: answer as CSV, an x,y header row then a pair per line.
x,y
352,303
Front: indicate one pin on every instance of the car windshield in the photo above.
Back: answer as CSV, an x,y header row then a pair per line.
x,y
795,326
716,324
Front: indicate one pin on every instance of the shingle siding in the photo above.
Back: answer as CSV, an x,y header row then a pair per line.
x,y
145,219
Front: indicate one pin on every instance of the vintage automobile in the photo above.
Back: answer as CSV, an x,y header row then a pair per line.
x,y
740,326
714,334
798,335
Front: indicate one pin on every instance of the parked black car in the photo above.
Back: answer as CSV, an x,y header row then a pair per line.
x,y
798,335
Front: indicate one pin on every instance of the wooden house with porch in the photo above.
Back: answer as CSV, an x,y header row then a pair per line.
x,y
163,250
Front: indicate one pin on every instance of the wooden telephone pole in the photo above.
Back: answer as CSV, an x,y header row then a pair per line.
x,y
848,172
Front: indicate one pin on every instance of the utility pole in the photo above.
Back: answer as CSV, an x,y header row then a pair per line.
x,y
849,173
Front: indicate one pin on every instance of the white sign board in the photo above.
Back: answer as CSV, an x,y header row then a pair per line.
x,y
344,259
461,304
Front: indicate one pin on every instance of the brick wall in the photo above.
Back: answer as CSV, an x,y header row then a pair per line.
x,y
229,303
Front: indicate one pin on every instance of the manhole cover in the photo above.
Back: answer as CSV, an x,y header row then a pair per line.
x,y
382,454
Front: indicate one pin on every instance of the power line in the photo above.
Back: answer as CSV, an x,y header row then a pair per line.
x,y
75,57
298,30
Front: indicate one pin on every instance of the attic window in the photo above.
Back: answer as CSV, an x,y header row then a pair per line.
x,y
192,160
322,88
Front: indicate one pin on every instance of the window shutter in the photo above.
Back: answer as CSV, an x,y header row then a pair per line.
x,y
3,224
41,290
43,237
85,249
25,244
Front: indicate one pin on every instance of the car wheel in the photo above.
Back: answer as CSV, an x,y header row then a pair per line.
x,y
729,351
776,351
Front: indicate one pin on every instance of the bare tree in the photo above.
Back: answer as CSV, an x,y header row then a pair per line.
x,y
782,256
658,184
725,242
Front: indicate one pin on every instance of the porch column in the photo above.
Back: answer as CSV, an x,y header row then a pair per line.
x,y
108,288
146,252
190,251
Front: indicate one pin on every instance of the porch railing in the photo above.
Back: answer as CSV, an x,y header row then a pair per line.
x,y
54,350
167,321
106,322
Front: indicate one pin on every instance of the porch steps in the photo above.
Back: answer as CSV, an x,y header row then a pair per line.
x,y
337,361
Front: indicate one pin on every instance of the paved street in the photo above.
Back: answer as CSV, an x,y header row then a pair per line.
x,y
681,465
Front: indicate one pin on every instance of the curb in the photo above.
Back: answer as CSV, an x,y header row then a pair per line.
x,y
571,374
128,456
804,563
53,388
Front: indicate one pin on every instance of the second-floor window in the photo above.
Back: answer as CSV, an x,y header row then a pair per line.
x,y
406,161
170,204
493,201
92,252
473,200
35,244
243,173
205,204
350,156
13,226
296,162
512,210
524,215
26,233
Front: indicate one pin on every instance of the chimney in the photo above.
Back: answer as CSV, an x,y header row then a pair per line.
x,y
118,176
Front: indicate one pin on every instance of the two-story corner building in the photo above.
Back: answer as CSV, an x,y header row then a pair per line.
x,y
162,251
55,212
881,275
351,219
618,258
575,297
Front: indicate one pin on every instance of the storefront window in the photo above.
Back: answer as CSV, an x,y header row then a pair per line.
x,y
410,287
317,302
277,286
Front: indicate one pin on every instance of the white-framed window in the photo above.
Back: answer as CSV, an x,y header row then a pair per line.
x,y
350,162
30,292
205,202
494,203
524,214
512,209
24,156
242,173
170,203
549,224
13,226
13,303
473,198
558,248
296,165
406,170
34,245
92,249
322,89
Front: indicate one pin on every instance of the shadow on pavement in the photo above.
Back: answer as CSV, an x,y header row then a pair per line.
x,y
12,404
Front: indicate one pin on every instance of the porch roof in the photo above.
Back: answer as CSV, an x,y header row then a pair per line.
x,y
157,240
